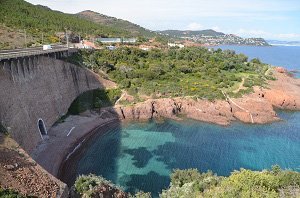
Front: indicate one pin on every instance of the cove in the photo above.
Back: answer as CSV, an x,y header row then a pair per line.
x,y
141,156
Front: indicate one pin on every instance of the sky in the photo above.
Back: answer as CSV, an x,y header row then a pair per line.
x,y
269,19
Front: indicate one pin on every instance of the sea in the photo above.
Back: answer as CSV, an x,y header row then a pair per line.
x,y
141,156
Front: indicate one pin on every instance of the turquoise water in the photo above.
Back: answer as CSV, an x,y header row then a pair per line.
x,y
141,156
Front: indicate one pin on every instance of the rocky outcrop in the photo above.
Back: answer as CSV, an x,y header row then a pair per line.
x,y
19,172
257,107
39,88
284,93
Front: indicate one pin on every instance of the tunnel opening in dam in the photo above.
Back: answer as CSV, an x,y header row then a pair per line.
x,y
42,127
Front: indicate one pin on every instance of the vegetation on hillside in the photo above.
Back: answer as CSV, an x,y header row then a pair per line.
x,y
6,193
196,72
134,29
19,14
191,183
43,25
244,183
97,186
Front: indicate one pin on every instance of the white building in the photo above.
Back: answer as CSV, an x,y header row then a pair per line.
x,y
116,40
176,45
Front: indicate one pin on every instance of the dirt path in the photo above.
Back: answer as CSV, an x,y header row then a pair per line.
x,y
231,101
241,86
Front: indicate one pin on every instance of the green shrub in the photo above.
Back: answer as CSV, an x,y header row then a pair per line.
x,y
243,183
141,195
92,186
10,194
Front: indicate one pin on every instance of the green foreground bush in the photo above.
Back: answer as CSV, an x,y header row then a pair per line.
x,y
244,183
191,183
9,194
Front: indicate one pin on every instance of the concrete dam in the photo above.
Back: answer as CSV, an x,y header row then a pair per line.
x,y
36,91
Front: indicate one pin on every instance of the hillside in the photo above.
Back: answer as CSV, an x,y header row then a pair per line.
x,y
19,15
211,37
134,29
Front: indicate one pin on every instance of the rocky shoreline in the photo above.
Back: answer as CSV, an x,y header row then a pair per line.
x,y
256,108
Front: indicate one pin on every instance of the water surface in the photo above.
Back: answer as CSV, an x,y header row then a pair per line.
x,y
142,155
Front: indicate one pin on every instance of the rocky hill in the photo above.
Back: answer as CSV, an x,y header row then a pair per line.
x,y
43,25
134,29
211,37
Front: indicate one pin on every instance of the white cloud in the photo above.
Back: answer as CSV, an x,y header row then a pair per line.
x,y
253,33
217,28
268,35
195,26
289,36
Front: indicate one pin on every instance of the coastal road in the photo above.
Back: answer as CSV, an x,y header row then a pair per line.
x,y
16,53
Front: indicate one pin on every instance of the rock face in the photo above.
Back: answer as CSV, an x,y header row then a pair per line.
x,y
215,112
252,108
21,173
284,93
39,88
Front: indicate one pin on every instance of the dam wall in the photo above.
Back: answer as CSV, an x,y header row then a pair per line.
x,y
35,92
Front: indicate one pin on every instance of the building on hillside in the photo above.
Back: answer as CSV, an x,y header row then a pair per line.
x,y
176,45
109,40
116,40
129,40
111,47
86,45
146,47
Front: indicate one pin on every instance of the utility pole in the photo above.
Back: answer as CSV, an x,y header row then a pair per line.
x,y
25,38
42,38
67,37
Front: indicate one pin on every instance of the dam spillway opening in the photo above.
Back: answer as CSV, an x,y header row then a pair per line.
x,y
42,127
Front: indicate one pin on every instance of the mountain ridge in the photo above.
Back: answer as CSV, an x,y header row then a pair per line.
x,y
134,29
212,37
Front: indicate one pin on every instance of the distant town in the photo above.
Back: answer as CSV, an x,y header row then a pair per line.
x,y
212,38
228,39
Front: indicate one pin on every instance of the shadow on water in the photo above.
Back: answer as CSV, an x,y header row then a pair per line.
x,y
224,149
100,101
141,156
150,182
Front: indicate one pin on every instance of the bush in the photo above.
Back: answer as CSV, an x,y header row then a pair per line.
x,y
86,184
141,195
243,183
9,194
97,186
